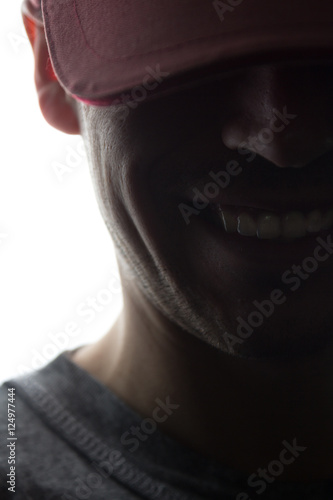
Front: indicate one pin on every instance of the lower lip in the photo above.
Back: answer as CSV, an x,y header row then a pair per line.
x,y
266,252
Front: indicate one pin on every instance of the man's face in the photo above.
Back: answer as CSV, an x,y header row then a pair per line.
x,y
165,174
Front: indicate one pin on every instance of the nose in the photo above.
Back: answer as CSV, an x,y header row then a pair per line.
x,y
283,113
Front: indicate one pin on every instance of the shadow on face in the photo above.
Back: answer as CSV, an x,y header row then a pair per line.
x,y
218,197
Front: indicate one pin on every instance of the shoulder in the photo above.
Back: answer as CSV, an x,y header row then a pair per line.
x,y
29,449
47,461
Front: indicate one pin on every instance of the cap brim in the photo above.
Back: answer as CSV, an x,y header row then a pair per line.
x,y
101,49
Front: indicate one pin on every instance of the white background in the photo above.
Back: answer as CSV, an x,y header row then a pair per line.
x,y
55,251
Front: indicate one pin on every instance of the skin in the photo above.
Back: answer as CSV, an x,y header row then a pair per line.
x,y
182,292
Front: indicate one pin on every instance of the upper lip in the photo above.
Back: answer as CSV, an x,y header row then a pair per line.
x,y
277,206
284,203
278,190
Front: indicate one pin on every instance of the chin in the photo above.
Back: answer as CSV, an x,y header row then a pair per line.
x,y
281,342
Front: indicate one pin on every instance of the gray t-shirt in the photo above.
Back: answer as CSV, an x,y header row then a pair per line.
x,y
78,440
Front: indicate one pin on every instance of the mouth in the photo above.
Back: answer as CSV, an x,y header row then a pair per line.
x,y
268,203
261,217
271,225
258,224
268,240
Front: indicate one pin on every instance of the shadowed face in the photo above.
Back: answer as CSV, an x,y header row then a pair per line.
x,y
218,199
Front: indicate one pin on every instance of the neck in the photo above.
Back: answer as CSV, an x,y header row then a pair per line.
x,y
239,412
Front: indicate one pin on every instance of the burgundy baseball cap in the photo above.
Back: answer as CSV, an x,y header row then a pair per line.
x,y
108,51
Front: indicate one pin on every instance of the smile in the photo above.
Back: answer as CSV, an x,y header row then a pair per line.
x,y
269,225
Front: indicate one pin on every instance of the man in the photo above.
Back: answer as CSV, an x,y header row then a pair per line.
x,y
209,132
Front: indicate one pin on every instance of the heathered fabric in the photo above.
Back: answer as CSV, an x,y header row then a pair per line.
x,y
69,430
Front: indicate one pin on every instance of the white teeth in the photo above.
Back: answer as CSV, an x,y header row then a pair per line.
x,y
246,225
269,226
294,225
230,223
327,219
314,221
266,225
